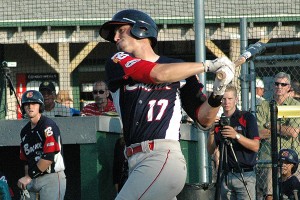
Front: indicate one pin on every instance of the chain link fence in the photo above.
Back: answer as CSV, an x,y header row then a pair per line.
x,y
58,41
267,68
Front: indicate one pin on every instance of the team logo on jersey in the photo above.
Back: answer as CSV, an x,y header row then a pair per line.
x,y
147,87
30,149
132,62
48,131
29,94
119,56
50,144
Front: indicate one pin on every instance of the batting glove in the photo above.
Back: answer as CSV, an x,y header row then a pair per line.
x,y
220,85
214,65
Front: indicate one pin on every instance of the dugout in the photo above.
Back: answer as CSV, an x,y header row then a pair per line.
x,y
88,144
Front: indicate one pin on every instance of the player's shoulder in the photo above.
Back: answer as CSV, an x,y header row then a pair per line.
x,y
26,128
47,121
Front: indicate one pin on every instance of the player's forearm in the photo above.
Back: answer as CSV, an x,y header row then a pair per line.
x,y
211,145
206,114
167,73
251,144
43,164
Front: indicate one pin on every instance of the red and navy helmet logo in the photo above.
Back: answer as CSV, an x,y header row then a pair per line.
x,y
29,94
285,154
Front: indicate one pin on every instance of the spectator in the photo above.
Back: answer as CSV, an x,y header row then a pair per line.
x,y
52,108
295,90
260,89
288,131
41,151
290,185
64,98
243,134
102,103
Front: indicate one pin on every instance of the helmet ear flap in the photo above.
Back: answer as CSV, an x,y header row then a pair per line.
x,y
144,30
23,110
42,108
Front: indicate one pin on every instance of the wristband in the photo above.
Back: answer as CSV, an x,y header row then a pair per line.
x,y
215,101
34,172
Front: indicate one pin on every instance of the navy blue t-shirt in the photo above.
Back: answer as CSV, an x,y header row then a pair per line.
x,y
245,124
289,185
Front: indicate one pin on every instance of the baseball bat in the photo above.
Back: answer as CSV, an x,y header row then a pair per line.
x,y
254,50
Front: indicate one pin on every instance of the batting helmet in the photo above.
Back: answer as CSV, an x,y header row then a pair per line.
x,y
33,96
290,156
143,26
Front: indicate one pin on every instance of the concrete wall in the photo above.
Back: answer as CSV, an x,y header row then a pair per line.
x,y
88,144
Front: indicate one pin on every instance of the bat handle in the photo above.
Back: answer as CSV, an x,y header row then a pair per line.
x,y
221,75
296,194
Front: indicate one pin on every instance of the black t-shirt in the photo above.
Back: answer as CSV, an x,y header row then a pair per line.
x,y
289,185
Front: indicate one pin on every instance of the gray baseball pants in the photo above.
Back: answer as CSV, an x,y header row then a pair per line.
x,y
155,174
48,187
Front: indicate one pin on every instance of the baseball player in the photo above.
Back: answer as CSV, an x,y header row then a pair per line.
x,y
290,185
41,151
148,91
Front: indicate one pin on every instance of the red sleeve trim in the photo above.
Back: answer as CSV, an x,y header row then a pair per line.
x,y
137,69
22,154
256,138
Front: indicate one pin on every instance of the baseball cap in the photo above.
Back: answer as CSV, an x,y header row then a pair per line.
x,y
47,85
288,155
259,83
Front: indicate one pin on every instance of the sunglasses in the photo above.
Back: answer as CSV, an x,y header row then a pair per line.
x,y
282,84
98,91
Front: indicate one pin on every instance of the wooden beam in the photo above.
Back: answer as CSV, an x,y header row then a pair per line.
x,y
44,54
214,49
82,54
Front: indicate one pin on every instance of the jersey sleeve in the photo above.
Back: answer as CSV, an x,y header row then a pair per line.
x,y
192,96
52,143
252,128
22,154
138,69
114,75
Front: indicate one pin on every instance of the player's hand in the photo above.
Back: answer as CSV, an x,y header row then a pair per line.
x,y
215,65
228,132
220,85
23,182
265,134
